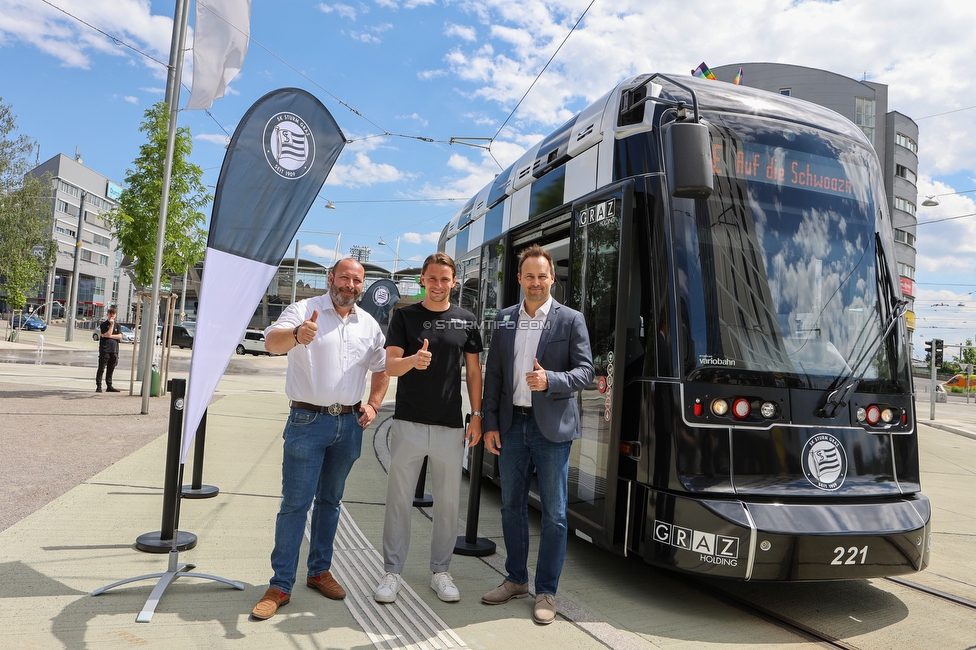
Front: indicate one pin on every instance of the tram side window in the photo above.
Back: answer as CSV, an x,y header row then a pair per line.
x,y
492,293
634,156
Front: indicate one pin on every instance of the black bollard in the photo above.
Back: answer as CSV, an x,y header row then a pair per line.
x,y
469,543
196,489
420,498
162,541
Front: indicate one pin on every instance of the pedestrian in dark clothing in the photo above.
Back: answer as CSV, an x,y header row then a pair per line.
x,y
108,352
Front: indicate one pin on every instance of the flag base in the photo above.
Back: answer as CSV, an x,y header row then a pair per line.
x,y
480,547
202,492
175,570
154,543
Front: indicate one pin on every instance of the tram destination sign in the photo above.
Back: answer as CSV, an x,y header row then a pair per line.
x,y
759,163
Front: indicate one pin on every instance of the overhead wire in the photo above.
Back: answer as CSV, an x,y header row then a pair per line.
x,y
534,81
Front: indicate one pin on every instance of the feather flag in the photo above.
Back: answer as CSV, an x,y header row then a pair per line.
x,y
738,78
275,165
221,32
703,71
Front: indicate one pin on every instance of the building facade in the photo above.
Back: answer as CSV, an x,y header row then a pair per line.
x,y
894,136
80,197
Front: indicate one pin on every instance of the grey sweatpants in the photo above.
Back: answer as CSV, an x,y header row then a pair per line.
x,y
444,447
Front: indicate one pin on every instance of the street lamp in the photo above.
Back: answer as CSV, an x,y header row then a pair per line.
x,y
932,200
396,256
335,256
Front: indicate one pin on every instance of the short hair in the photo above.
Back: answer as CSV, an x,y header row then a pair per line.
x,y
347,259
439,258
112,310
536,251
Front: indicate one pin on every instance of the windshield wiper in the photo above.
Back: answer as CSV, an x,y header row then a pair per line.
x,y
839,396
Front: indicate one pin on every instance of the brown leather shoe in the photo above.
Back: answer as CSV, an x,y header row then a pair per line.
x,y
325,583
273,599
545,609
504,592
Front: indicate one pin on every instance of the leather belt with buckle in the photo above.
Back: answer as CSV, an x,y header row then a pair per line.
x,y
332,409
524,410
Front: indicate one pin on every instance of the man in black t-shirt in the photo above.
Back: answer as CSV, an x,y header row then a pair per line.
x,y
108,352
426,345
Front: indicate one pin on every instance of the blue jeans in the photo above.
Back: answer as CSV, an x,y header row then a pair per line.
x,y
319,451
524,446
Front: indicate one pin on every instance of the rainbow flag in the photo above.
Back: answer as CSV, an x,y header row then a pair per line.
x,y
703,71
738,78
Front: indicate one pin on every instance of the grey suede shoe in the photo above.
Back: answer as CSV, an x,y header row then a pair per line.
x,y
545,609
505,592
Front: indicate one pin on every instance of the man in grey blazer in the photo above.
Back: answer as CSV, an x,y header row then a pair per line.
x,y
539,358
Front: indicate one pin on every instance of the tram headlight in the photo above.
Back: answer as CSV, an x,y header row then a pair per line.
x,y
768,410
887,415
741,408
861,414
720,406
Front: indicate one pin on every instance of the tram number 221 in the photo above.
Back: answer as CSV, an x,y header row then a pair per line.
x,y
851,553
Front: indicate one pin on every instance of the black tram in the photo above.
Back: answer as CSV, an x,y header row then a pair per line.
x,y
752,414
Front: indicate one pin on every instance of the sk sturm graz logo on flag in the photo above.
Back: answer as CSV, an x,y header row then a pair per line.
x,y
289,145
824,461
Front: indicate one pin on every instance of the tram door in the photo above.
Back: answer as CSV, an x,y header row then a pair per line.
x,y
599,284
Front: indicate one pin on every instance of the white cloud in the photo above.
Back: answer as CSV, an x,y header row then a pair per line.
x,y
418,238
314,250
343,10
74,43
371,35
463,32
356,168
214,138
413,116
131,99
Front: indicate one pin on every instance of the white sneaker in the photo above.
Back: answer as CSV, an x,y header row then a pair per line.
x,y
443,584
388,589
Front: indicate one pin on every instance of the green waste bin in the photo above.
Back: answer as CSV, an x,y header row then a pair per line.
x,y
154,383
13,336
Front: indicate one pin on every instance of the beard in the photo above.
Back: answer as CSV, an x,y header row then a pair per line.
x,y
344,299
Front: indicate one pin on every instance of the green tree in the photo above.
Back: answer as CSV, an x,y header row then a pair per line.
x,y
136,220
27,248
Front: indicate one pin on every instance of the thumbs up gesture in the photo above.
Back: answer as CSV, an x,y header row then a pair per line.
x,y
537,379
308,329
421,360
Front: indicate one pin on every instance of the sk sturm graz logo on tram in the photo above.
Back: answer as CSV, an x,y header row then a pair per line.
x,y
289,145
712,548
599,212
824,461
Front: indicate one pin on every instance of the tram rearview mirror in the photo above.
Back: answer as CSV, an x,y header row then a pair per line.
x,y
688,160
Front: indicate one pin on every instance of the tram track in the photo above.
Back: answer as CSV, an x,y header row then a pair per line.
x,y
802,630
942,595
764,613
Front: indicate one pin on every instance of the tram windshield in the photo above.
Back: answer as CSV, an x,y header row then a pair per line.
x,y
781,274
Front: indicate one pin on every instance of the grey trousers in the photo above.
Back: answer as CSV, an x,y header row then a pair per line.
x,y
444,447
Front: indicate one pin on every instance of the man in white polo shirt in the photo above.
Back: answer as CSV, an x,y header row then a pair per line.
x,y
331,345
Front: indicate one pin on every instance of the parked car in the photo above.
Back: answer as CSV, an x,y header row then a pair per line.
x,y
29,323
959,381
128,336
252,343
183,336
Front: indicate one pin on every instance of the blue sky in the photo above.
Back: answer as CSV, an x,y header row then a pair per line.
x,y
438,69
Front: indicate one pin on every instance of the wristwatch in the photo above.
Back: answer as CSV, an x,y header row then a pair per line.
x,y
480,414
294,333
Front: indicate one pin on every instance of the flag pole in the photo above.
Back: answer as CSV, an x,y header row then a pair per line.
x,y
180,20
